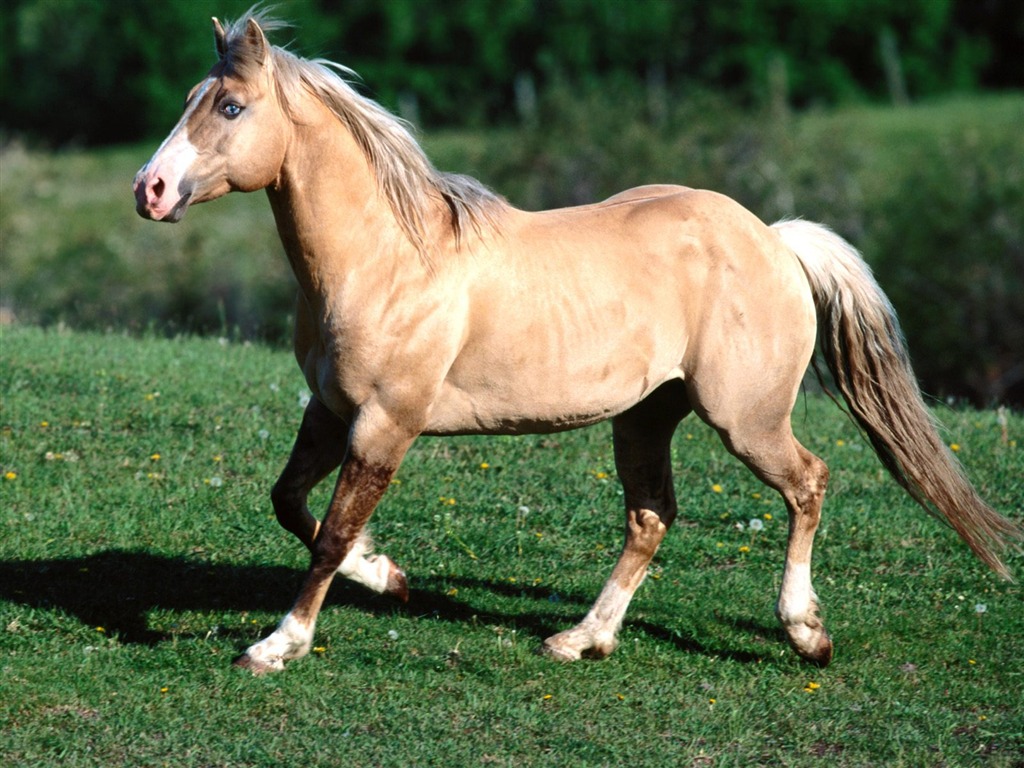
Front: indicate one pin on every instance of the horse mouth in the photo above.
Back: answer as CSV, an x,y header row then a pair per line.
x,y
171,216
176,213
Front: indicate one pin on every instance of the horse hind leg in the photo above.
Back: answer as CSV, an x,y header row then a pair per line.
x,y
800,477
319,449
642,438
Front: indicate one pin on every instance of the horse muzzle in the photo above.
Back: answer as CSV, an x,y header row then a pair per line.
x,y
156,200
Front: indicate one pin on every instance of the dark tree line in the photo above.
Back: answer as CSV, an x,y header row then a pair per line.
x,y
105,71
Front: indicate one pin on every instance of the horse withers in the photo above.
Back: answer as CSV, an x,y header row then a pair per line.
x,y
429,305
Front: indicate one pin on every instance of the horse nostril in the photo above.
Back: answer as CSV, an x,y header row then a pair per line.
x,y
157,188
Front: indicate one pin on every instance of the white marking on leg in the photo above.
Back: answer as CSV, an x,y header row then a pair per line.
x,y
365,568
290,640
797,609
598,632
796,596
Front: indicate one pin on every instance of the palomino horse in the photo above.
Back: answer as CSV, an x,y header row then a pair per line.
x,y
428,305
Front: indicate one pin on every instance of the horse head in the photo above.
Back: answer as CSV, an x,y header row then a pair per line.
x,y
232,135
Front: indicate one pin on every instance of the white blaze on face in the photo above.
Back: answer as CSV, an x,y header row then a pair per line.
x,y
172,159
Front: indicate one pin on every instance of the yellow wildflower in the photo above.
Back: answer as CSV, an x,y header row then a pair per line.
x,y
716,488
10,475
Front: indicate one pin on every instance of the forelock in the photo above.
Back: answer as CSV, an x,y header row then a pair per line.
x,y
240,58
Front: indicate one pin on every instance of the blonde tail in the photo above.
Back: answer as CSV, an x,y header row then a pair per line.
x,y
864,349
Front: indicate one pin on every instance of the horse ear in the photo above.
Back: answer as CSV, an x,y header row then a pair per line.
x,y
256,41
220,38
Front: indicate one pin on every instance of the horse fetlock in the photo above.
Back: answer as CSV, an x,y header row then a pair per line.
x,y
376,572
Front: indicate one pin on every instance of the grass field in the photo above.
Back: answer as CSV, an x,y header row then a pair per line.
x,y
139,554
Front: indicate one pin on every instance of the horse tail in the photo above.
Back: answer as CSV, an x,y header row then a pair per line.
x,y
864,349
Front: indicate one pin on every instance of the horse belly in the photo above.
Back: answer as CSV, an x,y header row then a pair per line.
x,y
515,407
541,376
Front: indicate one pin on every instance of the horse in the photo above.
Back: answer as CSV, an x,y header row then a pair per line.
x,y
429,305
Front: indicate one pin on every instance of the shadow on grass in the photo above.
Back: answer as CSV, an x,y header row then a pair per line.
x,y
117,589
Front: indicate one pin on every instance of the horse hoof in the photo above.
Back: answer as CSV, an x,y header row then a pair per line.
x,y
553,651
398,585
257,667
821,656
824,655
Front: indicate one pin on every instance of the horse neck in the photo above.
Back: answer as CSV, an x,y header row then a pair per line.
x,y
331,217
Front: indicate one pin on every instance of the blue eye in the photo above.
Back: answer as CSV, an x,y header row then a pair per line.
x,y
230,110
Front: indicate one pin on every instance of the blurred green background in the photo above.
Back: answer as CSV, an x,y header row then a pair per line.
x,y
898,124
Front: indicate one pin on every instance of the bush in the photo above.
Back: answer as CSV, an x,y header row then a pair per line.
x,y
106,71
953,239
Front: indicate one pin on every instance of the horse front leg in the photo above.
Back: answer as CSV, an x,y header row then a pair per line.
x,y
319,448
374,455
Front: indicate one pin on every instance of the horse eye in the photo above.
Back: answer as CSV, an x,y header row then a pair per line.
x,y
231,110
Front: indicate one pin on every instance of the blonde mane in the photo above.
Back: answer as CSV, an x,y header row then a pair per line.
x,y
405,176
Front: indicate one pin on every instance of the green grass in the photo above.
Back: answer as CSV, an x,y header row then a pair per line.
x,y
139,554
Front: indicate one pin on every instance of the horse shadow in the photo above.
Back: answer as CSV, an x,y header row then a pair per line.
x,y
118,589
